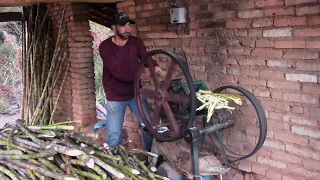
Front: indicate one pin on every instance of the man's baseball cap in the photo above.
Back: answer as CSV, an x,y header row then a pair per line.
x,y
121,19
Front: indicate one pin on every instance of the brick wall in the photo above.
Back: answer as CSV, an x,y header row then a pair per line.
x,y
270,47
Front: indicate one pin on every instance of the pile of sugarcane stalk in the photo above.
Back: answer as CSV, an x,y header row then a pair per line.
x,y
57,152
212,101
45,65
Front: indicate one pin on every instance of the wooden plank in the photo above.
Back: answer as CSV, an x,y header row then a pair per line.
x,y
8,3
11,16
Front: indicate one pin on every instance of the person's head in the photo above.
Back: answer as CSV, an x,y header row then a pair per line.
x,y
121,25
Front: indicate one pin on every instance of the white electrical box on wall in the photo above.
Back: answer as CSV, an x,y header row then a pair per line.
x,y
178,15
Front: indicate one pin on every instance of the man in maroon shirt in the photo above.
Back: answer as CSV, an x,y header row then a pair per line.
x,y
120,55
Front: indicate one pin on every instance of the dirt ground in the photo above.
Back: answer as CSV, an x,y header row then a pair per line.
x,y
8,119
12,112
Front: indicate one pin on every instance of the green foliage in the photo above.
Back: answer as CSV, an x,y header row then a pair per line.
x,y
99,34
3,105
1,37
14,28
7,50
98,70
9,65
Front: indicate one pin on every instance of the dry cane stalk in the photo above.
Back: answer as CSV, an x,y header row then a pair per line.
x,y
143,167
9,164
33,86
68,164
39,31
21,142
34,119
22,127
17,147
3,177
86,174
23,69
42,170
46,153
45,107
59,94
11,152
46,57
108,168
28,63
9,141
45,68
32,175
31,59
54,59
50,165
96,168
15,173
8,173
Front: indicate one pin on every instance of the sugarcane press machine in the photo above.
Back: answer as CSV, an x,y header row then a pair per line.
x,y
172,100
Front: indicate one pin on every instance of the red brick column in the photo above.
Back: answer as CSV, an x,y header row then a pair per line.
x,y
82,64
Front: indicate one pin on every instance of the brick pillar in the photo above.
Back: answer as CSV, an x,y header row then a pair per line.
x,y
82,64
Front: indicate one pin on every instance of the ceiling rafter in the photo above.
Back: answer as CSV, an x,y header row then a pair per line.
x,y
11,16
8,3
101,13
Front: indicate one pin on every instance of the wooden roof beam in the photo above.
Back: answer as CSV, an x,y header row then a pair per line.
x,y
8,3
11,16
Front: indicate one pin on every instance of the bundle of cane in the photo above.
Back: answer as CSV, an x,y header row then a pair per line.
x,y
58,152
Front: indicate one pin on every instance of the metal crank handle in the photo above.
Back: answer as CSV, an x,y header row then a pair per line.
x,y
217,127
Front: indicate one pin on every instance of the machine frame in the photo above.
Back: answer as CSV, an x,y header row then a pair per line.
x,y
163,97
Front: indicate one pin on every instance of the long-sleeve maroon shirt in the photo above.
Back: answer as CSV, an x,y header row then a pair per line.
x,y
120,64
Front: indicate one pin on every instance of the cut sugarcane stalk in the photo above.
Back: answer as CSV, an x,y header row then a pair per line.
x,y
52,127
8,173
213,101
45,153
42,170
